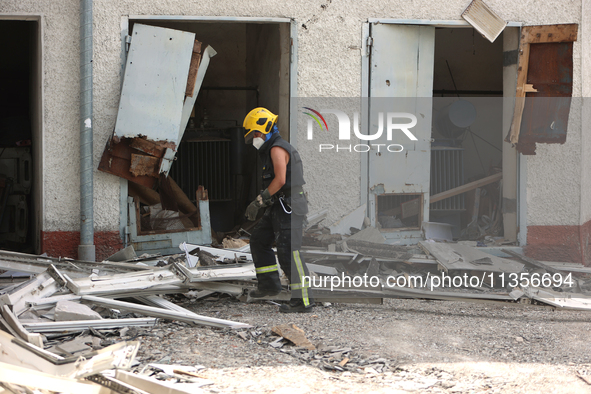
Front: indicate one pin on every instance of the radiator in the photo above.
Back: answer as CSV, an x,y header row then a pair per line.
x,y
204,162
447,172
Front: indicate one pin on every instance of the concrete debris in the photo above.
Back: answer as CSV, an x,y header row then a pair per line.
x,y
322,356
69,310
368,234
82,311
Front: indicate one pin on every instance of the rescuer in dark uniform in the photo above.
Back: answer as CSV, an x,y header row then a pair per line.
x,y
285,208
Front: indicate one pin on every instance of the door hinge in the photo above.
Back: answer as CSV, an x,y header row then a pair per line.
x,y
368,45
127,42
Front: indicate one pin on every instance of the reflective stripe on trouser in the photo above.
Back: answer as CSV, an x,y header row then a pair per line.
x,y
261,243
269,268
300,286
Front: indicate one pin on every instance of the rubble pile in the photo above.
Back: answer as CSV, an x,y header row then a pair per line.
x,y
75,326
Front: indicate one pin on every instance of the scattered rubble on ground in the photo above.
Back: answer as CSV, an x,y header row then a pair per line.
x,y
68,310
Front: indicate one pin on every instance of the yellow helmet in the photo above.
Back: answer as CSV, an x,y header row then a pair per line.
x,y
259,119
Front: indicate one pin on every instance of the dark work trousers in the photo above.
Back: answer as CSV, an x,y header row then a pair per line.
x,y
287,230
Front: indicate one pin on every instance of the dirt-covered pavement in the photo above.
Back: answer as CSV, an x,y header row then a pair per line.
x,y
400,346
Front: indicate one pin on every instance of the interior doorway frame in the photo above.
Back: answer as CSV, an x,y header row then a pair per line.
x,y
36,107
517,162
293,87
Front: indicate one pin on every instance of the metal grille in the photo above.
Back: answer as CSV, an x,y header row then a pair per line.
x,y
447,172
204,162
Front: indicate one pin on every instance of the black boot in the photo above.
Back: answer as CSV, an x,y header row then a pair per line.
x,y
296,305
260,293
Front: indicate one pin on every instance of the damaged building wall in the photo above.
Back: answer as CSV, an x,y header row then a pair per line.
x,y
559,214
329,64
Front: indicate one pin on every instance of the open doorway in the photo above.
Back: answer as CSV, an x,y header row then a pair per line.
x,y
20,125
467,131
251,68
453,78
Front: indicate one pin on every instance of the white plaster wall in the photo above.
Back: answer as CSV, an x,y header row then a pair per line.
x,y
329,64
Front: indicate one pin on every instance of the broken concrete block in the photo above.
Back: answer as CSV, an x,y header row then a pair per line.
x,y
68,310
293,334
75,346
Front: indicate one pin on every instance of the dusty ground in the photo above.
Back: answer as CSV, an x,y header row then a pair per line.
x,y
400,346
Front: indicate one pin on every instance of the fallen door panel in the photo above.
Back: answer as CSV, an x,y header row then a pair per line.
x,y
163,75
154,84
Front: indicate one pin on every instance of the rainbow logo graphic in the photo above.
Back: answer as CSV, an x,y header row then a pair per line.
x,y
315,118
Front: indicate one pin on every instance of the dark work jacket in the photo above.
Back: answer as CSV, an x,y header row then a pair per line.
x,y
294,177
295,169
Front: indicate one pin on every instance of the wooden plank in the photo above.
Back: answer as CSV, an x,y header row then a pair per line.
x,y
143,194
185,205
467,187
520,93
195,62
529,88
549,33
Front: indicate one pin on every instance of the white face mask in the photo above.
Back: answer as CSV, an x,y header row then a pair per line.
x,y
257,142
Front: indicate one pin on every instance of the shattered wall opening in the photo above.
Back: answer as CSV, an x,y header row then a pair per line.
x,y
250,69
467,128
175,143
20,130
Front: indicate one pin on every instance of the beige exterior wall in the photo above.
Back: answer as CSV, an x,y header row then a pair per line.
x,y
329,64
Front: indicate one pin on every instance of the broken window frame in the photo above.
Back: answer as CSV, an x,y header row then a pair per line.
x,y
417,197
532,35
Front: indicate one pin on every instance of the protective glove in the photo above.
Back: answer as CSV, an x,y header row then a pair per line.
x,y
266,198
263,200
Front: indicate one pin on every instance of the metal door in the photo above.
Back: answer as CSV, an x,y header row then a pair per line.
x,y
401,81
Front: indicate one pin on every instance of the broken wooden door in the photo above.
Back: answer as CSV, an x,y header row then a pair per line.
x,y
544,86
401,82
